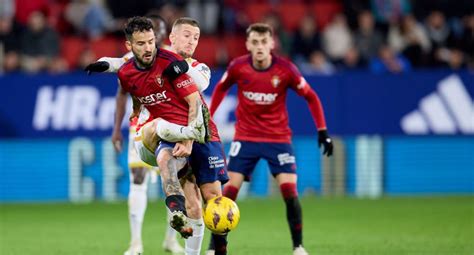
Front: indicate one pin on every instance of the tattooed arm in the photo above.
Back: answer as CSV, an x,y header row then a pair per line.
x,y
195,103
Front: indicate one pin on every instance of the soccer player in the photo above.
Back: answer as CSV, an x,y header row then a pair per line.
x,y
139,170
262,129
150,78
184,39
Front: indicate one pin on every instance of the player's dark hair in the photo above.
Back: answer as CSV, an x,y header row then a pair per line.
x,y
186,20
260,28
137,24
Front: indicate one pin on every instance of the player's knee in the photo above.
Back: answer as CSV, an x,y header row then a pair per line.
x,y
138,175
162,161
288,190
210,194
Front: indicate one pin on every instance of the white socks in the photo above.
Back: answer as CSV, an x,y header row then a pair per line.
x,y
173,132
193,243
137,202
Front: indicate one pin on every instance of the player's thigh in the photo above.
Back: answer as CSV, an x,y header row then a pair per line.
x,y
141,156
208,163
149,137
243,157
280,158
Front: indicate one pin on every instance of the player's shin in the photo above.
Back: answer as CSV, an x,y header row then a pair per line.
x,y
293,212
220,244
137,203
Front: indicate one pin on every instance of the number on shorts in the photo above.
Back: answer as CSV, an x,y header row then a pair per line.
x,y
234,148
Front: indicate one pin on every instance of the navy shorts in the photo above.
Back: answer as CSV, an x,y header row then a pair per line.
x,y
243,156
207,161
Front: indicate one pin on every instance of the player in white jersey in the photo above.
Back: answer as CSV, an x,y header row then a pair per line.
x,y
200,73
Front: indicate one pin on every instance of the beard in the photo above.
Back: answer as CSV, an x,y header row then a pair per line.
x,y
141,60
184,54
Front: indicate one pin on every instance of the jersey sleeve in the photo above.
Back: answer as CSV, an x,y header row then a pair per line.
x,y
184,85
123,81
297,81
200,73
116,63
227,80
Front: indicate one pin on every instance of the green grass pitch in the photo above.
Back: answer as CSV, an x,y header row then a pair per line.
x,y
398,226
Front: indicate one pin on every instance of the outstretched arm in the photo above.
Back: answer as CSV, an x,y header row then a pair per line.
x,y
317,112
106,64
120,105
220,91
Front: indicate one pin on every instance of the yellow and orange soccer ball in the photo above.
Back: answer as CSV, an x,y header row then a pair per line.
x,y
221,215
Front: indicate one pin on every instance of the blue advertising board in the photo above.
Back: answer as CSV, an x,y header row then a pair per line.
x,y
44,106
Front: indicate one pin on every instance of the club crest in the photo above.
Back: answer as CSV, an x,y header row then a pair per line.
x,y
275,81
159,81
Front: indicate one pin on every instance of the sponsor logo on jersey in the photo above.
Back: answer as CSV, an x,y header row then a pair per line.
x,y
448,110
260,98
159,81
275,81
155,98
184,83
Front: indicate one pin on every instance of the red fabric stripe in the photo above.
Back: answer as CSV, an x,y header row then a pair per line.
x,y
288,190
231,192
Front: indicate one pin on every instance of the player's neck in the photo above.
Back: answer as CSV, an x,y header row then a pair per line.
x,y
263,64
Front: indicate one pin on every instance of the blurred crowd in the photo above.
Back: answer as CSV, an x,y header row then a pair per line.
x,y
321,37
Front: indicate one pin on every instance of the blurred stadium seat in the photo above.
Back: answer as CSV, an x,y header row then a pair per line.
x,y
71,49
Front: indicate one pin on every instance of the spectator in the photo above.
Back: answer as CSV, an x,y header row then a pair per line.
x,y
305,40
410,39
389,62
367,39
206,12
317,64
281,37
89,17
439,35
39,44
467,40
9,34
352,60
337,38
388,11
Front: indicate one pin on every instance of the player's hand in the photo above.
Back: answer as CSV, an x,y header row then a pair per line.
x,y
98,67
183,149
117,140
133,114
326,141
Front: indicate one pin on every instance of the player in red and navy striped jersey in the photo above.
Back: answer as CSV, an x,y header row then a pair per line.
x,y
261,129
150,79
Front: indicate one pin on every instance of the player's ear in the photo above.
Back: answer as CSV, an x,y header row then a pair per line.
x,y
272,43
172,37
128,44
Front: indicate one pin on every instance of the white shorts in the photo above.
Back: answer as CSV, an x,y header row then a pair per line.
x,y
138,154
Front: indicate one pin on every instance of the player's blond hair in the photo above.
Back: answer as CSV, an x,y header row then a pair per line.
x,y
260,28
185,20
